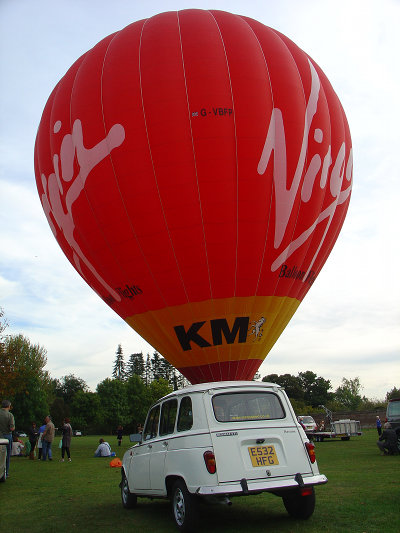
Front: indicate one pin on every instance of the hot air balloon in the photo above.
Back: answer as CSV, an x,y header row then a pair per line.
x,y
196,169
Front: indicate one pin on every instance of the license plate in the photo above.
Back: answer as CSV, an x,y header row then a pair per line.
x,y
263,455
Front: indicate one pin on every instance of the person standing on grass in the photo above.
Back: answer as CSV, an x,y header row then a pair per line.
x,y
33,435
40,443
7,426
47,439
379,425
66,439
119,434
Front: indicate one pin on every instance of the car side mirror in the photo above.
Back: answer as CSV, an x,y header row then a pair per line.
x,y
135,437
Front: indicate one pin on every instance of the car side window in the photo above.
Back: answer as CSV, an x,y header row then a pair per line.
x,y
150,430
185,417
168,416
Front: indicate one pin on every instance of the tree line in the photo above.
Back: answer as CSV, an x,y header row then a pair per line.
x,y
307,392
134,384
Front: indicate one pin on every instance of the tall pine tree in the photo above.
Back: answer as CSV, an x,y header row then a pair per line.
x,y
119,365
135,365
147,371
167,371
156,366
180,381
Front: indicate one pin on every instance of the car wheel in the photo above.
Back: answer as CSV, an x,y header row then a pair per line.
x,y
398,438
184,507
129,500
299,506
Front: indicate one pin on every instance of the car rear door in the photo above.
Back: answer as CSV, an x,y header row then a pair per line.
x,y
256,437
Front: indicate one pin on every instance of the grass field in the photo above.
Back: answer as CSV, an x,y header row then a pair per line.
x,y
362,495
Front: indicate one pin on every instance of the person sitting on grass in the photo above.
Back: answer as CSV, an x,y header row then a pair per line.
x,y
103,449
17,446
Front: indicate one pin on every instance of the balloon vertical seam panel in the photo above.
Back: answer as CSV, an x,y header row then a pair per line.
x,y
211,148
196,169
122,105
240,44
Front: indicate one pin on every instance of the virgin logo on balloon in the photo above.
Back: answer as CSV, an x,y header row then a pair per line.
x,y
284,198
72,144
196,170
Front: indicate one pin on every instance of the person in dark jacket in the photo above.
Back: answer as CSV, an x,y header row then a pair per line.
x,y
66,439
33,435
387,442
379,426
120,430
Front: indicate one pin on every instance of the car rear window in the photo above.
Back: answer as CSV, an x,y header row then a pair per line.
x,y
242,406
307,419
393,408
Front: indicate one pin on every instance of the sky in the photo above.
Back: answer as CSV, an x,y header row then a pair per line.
x,y
348,324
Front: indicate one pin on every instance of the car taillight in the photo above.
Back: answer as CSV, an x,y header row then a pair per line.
x,y
209,459
311,451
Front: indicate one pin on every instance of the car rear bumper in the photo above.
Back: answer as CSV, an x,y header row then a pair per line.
x,y
248,487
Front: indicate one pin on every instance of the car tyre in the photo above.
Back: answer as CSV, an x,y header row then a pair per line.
x,y
299,506
129,500
398,439
184,507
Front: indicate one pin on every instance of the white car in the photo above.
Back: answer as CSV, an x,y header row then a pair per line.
x,y
217,440
308,422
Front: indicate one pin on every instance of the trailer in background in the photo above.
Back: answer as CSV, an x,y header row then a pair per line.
x,y
340,429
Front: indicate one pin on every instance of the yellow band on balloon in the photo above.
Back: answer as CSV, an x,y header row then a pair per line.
x,y
230,329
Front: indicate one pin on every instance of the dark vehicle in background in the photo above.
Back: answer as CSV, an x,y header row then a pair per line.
x,y
393,416
393,413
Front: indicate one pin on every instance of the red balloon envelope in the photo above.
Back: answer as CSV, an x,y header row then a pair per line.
x,y
196,169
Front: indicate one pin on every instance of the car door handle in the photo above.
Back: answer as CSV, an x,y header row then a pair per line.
x,y
165,443
149,446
